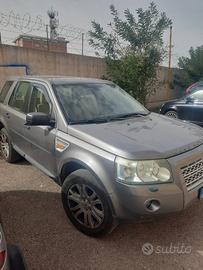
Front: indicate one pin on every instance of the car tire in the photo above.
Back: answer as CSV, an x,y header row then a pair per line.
x,y
86,204
16,261
172,114
6,148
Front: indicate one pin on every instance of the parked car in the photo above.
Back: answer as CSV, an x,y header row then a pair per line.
x,y
114,159
10,256
3,251
194,87
189,108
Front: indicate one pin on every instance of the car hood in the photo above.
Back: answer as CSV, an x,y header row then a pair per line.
x,y
148,137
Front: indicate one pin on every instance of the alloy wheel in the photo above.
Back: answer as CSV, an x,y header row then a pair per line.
x,y
4,145
172,114
85,205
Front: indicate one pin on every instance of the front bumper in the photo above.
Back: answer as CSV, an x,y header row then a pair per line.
x,y
131,202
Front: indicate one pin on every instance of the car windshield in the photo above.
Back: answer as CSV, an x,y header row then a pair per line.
x,y
197,86
96,102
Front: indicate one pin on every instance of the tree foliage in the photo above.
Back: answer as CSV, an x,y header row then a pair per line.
x,y
133,47
192,66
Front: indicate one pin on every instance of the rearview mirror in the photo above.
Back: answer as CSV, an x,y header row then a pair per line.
x,y
39,119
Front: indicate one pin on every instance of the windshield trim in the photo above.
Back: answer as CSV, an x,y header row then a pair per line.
x,y
102,120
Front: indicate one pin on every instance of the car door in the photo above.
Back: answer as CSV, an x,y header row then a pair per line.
x,y
197,108
185,109
191,108
15,114
40,146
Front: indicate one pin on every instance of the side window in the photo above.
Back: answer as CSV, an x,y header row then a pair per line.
x,y
19,97
39,101
4,90
197,96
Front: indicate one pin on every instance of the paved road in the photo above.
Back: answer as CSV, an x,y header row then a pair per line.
x,y
34,219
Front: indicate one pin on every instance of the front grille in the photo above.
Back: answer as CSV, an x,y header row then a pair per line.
x,y
193,173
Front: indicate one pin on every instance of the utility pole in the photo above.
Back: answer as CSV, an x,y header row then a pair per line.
x,y
170,75
170,48
83,43
47,32
0,39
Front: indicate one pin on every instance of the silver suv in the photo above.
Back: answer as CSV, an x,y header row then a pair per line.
x,y
113,158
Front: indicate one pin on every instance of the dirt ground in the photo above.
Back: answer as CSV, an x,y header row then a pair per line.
x,y
34,219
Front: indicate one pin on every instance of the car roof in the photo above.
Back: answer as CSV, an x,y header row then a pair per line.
x,y
59,79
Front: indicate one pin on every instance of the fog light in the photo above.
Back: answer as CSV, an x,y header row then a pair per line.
x,y
152,205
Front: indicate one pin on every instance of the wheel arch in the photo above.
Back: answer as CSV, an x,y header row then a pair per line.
x,y
73,165
70,167
174,108
1,125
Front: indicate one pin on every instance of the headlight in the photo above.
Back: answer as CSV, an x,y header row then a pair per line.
x,y
143,172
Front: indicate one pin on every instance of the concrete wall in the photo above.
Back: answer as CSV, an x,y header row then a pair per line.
x,y
5,72
50,63
42,62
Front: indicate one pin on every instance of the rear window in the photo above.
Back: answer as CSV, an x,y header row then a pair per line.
x,y
4,90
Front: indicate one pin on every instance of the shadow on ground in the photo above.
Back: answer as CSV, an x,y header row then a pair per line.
x,y
35,220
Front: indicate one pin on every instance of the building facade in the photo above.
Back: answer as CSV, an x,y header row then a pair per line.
x,y
41,43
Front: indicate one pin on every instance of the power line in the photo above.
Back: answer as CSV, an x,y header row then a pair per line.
x,y
18,24
25,23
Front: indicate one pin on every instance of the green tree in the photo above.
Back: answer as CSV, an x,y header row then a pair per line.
x,y
192,67
133,48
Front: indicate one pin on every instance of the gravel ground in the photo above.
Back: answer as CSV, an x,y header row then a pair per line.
x,y
34,219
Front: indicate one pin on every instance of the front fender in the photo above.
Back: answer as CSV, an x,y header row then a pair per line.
x,y
102,168
99,162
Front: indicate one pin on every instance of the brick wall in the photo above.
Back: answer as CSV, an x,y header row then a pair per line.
x,y
42,45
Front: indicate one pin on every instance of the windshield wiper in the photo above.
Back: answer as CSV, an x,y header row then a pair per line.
x,y
89,121
108,119
128,115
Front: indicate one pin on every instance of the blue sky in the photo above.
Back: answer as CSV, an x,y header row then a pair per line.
x,y
186,16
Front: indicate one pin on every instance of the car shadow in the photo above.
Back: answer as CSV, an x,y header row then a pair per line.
x,y
36,221
22,161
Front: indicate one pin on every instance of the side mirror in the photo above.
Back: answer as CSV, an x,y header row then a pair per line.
x,y
39,119
189,100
